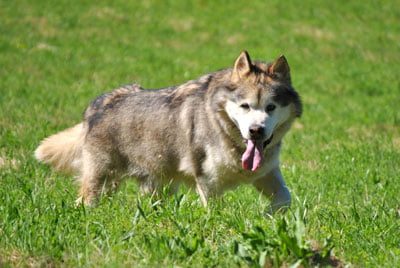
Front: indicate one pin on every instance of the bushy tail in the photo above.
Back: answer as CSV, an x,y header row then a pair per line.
x,y
63,150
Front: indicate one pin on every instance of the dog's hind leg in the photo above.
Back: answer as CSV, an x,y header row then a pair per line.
x,y
112,183
273,186
148,185
92,178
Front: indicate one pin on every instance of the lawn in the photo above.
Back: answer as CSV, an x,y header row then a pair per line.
x,y
341,160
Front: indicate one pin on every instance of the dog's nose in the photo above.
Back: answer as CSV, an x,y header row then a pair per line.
x,y
256,132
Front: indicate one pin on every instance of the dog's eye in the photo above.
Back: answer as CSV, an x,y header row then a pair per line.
x,y
270,107
245,106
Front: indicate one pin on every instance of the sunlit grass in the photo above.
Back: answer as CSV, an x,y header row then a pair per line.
x,y
341,160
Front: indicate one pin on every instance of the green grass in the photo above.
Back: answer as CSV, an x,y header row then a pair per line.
x,y
341,160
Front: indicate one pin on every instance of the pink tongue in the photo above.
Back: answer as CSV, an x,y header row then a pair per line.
x,y
253,156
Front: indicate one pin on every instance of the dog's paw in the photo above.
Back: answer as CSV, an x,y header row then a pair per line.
x,y
82,201
79,202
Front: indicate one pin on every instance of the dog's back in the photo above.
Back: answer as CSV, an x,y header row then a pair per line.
x,y
63,150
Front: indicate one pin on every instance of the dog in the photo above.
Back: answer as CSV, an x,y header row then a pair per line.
x,y
212,134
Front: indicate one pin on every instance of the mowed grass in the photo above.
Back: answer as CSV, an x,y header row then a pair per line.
x,y
341,160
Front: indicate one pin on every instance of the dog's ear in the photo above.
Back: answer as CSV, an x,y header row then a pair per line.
x,y
242,66
280,70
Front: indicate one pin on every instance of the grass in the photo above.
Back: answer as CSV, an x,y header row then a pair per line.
x,y
341,160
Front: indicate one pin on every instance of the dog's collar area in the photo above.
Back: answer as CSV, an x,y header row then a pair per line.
x,y
268,141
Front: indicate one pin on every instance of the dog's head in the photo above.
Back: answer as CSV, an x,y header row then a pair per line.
x,y
260,103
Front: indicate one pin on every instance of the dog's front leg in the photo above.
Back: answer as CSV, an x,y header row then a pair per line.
x,y
202,193
203,190
273,186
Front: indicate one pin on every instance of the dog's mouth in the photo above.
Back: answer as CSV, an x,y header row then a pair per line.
x,y
253,157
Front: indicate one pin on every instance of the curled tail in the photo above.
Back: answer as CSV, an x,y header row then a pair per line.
x,y
63,150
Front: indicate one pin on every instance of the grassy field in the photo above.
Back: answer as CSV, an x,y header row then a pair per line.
x,y
341,160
